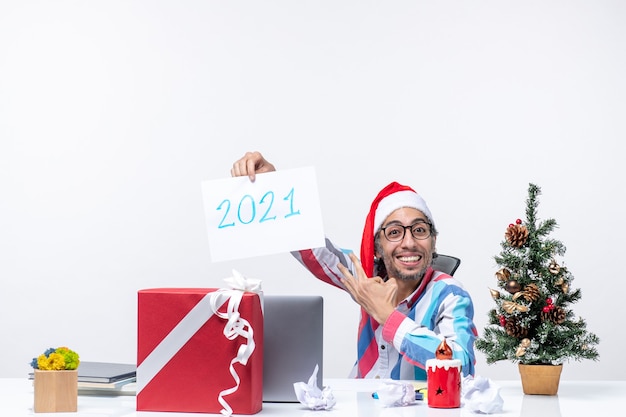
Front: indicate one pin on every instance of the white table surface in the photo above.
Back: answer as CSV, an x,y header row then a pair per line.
x,y
575,398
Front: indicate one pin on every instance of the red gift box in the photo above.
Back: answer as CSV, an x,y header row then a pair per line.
x,y
185,362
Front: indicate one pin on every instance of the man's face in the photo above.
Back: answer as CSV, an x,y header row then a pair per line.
x,y
407,258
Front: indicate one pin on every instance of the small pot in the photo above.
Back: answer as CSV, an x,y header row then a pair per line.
x,y
55,391
540,379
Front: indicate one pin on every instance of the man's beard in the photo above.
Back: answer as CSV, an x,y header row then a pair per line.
x,y
409,277
392,271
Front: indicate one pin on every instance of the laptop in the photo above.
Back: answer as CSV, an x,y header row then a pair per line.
x,y
293,344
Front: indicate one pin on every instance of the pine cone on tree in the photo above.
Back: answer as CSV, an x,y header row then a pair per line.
x,y
556,315
531,292
514,329
516,235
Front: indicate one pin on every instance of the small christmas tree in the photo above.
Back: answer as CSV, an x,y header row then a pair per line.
x,y
532,322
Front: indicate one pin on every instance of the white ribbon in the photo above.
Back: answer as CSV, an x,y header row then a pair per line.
x,y
191,323
236,326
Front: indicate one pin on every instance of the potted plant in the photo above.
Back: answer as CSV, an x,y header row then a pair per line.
x,y
532,323
56,380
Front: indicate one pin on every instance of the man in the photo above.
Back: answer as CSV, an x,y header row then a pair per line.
x,y
407,308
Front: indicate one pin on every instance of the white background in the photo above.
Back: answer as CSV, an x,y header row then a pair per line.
x,y
113,112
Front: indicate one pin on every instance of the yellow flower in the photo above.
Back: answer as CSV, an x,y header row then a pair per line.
x,y
54,362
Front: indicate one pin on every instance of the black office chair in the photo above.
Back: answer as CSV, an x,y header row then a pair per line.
x,y
446,263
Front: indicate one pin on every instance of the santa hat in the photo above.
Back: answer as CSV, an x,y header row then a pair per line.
x,y
389,199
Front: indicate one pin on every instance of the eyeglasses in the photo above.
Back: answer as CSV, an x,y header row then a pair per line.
x,y
395,232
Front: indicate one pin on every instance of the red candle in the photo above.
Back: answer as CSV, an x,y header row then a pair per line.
x,y
444,379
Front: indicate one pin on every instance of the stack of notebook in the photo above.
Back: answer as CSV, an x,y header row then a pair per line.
x,y
106,377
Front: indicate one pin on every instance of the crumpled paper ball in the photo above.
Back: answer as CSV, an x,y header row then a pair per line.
x,y
311,396
481,395
396,394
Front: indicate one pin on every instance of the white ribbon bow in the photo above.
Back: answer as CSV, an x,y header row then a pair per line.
x,y
235,326
239,282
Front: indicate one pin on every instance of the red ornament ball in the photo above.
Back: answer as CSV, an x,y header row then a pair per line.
x,y
502,321
546,309
518,221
